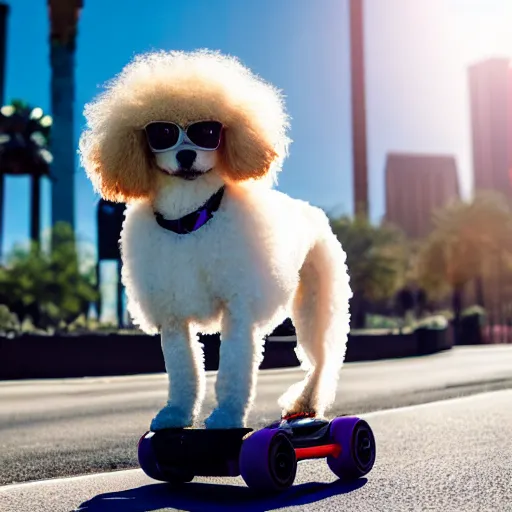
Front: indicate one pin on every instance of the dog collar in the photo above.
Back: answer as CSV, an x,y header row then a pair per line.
x,y
194,220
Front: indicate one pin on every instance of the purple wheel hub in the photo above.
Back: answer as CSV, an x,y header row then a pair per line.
x,y
267,461
358,448
149,463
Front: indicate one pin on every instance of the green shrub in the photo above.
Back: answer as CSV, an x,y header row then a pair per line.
x,y
50,288
474,310
9,322
446,313
437,322
28,327
382,322
82,324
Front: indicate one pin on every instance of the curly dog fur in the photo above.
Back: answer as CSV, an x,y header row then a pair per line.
x,y
264,256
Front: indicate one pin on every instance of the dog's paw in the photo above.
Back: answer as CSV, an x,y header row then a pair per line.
x,y
223,418
171,417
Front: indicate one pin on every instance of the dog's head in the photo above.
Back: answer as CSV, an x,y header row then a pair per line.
x,y
178,116
185,152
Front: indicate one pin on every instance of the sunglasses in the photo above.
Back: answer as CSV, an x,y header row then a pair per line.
x,y
164,136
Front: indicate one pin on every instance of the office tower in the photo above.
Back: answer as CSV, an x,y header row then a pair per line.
x,y
490,86
416,185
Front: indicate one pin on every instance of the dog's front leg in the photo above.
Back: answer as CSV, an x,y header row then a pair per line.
x,y
240,356
184,363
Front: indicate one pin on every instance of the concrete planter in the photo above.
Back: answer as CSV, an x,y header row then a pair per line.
x,y
34,356
368,347
432,340
470,330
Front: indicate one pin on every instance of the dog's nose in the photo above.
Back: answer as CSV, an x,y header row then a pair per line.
x,y
186,158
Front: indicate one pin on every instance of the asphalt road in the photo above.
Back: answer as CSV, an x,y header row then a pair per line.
x,y
449,456
61,428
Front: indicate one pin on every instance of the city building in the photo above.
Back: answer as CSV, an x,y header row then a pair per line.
x,y
416,185
490,86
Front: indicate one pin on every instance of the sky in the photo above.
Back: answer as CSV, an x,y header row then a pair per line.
x,y
417,54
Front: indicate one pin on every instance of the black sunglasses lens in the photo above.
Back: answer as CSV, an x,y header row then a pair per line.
x,y
162,135
205,134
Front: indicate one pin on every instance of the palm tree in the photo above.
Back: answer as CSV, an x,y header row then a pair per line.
x,y
24,140
376,260
64,16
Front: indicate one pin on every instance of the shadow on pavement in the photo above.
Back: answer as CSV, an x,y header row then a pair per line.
x,y
196,497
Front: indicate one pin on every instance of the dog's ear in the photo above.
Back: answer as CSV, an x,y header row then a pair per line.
x,y
246,153
118,164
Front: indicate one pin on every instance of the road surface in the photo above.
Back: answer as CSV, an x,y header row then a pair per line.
x,y
60,428
449,456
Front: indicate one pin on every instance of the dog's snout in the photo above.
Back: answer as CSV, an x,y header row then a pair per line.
x,y
186,158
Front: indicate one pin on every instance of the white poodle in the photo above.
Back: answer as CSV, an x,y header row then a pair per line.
x,y
192,142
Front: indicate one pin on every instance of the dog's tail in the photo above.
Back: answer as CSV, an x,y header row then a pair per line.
x,y
321,318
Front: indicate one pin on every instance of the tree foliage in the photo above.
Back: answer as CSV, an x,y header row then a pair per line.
x,y
49,287
376,256
467,239
376,259
471,242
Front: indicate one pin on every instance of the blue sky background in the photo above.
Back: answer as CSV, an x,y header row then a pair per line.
x,y
416,59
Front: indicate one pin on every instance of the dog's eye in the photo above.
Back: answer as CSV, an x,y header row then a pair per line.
x,y
205,134
162,135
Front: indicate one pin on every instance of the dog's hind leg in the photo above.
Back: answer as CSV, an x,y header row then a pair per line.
x,y
321,318
184,363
